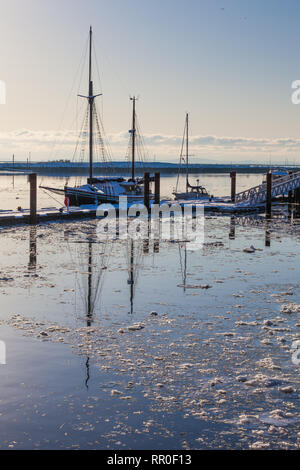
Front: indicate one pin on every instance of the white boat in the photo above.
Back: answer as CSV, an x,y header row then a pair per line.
x,y
192,192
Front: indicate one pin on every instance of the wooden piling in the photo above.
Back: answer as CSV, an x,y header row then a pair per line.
x,y
297,195
157,188
33,198
147,189
269,195
290,197
233,185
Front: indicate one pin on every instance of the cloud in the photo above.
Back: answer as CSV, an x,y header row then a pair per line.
x,y
50,145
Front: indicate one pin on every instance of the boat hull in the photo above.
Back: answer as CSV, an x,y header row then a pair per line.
x,y
191,196
79,197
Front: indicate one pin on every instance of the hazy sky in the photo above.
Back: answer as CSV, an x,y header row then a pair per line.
x,y
230,63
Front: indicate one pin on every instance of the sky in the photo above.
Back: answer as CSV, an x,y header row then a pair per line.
x,y
229,63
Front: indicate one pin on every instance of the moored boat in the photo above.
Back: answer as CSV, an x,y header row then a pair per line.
x,y
105,189
191,191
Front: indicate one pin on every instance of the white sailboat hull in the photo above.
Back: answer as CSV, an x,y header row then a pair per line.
x,y
191,196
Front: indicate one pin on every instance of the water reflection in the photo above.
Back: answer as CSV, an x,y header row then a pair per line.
x,y
135,252
251,221
32,248
267,234
232,229
90,259
183,263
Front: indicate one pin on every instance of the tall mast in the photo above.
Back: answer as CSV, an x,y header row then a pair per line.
x,y
91,104
133,131
187,151
91,98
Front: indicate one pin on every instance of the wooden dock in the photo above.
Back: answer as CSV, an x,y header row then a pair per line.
x,y
9,218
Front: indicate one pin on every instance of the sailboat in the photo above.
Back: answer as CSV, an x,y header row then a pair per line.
x,y
191,191
102,189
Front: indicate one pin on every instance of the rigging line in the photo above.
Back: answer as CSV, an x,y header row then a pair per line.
x,y
81,132
100,140
144,153
121,82
98,73
83,62
180,158
50,195
75,119
69,96
106,149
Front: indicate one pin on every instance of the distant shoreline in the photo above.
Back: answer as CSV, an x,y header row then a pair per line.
x,y
122,168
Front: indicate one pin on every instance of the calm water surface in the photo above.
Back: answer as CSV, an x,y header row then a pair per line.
x,y
88,366
14,190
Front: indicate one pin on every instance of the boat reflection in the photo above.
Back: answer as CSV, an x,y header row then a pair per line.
x,y
32,248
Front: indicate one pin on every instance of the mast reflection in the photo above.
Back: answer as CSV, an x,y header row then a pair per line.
x,y
32,248
90,256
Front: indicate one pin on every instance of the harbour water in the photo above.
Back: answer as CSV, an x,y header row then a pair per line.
x,y
14,190
116,344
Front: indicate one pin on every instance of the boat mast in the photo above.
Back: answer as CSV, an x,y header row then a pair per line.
x,y
91,98
187,152
133,131
91,104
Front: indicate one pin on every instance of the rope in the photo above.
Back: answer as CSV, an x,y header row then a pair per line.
x,y
50,195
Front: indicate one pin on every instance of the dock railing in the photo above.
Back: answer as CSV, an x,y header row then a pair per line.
x,y
258,194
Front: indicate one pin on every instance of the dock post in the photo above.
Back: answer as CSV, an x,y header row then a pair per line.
x,y
269,195
297,200
233,185
297,195
33,198
146,189
157,188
